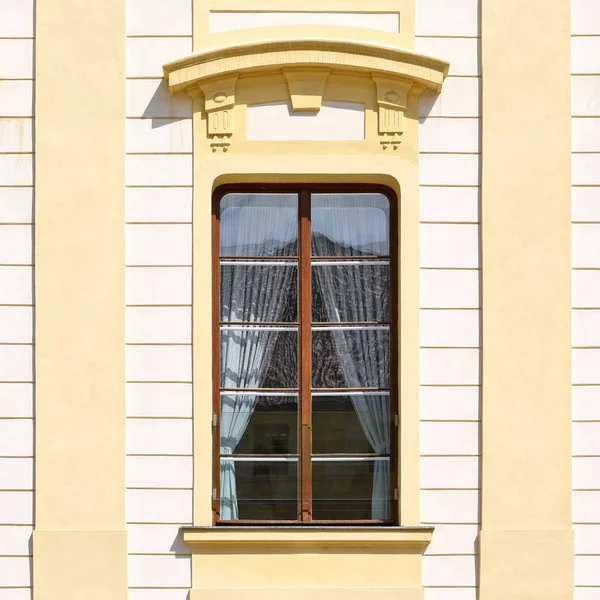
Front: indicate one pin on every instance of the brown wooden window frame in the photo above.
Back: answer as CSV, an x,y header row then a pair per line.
x,y
304,324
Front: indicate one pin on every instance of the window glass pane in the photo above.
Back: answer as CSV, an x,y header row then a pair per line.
x,y
253,424
350,225
251,291
351,357
350,291
259,357
259,225
351,489
355,423
259,489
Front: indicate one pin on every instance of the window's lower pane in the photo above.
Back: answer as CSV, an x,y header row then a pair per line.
x,y
352,423
259,489
259,357
348,489
259,424
351,357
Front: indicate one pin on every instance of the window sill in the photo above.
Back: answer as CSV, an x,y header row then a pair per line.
x,y
307,536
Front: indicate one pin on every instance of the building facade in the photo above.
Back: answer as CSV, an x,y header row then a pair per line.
x,y
125,124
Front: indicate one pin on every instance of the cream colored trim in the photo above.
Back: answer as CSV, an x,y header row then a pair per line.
x,y
526,543
307,537
398,174
80,541
273,55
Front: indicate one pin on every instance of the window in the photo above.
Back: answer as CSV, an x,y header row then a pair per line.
x,y
305,354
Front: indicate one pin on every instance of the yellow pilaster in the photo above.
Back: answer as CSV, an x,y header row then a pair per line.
x,y
526,540
80,547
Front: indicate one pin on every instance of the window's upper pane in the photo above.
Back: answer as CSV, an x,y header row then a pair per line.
x,y
259,224
350,225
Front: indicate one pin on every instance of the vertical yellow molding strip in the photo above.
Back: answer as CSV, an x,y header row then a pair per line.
x,y
80,544
526,545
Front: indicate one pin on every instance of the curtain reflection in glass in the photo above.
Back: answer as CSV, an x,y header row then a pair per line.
x,y
350,291
259,357
259,291
259,225
350,225
351,357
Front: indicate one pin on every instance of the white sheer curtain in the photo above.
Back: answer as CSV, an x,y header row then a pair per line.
x,y
236,411
350,224
251,291
259,225
355,293
373,412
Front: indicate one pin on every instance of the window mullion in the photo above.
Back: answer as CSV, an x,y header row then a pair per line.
x,y
305,358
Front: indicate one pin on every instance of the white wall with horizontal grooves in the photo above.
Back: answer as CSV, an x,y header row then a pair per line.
x,y
449,127
585,128
16,298
159,299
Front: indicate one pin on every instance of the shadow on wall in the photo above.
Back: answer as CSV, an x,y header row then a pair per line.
x,y
427,101
178,546
164,106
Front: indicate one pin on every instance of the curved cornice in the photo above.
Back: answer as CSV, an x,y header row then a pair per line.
x,y
273,55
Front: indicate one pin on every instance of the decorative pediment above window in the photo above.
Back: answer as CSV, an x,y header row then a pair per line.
x,y
306,65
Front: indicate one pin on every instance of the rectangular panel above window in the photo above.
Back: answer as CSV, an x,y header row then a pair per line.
x,y
276,121
221,21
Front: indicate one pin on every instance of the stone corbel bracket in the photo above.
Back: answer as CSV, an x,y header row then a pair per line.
x,y
392,100
219,102
305,64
